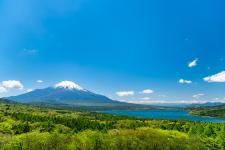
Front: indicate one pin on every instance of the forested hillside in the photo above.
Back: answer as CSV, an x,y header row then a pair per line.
x,y
215,111
29,127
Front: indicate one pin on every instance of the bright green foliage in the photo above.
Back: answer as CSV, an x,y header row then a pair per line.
x,y
28,127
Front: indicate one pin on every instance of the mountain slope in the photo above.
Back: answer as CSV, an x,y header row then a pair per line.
x,y
65,92
69,95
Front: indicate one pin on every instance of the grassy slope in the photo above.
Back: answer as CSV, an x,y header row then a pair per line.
x,y
29,127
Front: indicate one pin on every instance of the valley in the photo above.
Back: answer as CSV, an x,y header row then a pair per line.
x,y
31,127
112,75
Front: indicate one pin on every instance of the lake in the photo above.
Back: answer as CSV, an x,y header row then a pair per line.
x,y
163,114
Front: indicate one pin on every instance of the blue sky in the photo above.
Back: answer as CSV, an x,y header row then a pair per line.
x,y
116,47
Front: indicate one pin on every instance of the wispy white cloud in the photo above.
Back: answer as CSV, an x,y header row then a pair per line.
x,y
12,84
39,81
29,90
195,101
147,91
162,95
2,89
216,99
137,101
125,93
183,81
219,77
197,96
219,99
146,98
193,63
29,52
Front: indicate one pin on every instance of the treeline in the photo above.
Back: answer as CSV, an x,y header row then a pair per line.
x,y
77,124
213,111
95,122
28,127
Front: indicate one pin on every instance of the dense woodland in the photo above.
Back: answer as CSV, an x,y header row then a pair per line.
x,y
215,111
34,128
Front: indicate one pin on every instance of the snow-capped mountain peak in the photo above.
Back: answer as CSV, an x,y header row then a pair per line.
x,y
68,85
64,92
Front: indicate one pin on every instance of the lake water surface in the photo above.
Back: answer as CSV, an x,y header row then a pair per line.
x,y
164,114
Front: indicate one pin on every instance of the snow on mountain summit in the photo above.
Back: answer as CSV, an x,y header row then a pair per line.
x,y
63,93
68,85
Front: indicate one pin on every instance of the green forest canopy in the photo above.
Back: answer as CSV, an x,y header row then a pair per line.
x,y
29,127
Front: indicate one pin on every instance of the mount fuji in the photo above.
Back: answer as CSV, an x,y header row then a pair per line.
x,y
65,92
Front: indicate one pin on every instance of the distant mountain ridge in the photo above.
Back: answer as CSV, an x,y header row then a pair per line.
x,y
70,94
65,92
